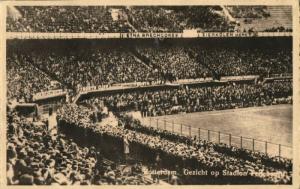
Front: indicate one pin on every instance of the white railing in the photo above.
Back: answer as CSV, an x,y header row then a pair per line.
x,y
139,35
49,94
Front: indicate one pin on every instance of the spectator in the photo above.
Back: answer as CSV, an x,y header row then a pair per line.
x,y
31,160
197,99
209,158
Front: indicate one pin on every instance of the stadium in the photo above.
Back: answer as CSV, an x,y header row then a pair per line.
x,y
149,95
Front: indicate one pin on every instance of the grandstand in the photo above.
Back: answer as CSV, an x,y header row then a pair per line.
x,y
116,19
131,111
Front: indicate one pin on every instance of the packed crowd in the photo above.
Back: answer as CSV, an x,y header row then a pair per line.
x,y
89,19
102,67
202,154
100,19
24,79
222,61
36,156
234,62
279,29
177,19
176,62
111,19
197,99
98,67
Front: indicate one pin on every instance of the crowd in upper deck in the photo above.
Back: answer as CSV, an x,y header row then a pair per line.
x,y
111,19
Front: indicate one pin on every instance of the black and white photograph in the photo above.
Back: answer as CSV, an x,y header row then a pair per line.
x,y
149,94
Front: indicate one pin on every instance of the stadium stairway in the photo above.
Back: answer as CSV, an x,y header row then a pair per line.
x,y
76,97
51,75
143,59
139,60
130,24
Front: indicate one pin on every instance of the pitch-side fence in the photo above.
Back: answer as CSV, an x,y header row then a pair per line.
x,y
269,148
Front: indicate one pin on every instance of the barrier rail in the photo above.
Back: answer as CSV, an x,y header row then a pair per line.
x,y
139,35
266,147
111,147
49,94
156,83
281,75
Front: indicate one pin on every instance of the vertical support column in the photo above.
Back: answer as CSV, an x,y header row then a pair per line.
x,y
229,139
165,125
199,133
219,137
150,122
253,147
266,147
241,142
190,131
279,150
181,129
208,135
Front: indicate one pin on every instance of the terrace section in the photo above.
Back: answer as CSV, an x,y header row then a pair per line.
x,y
102,20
